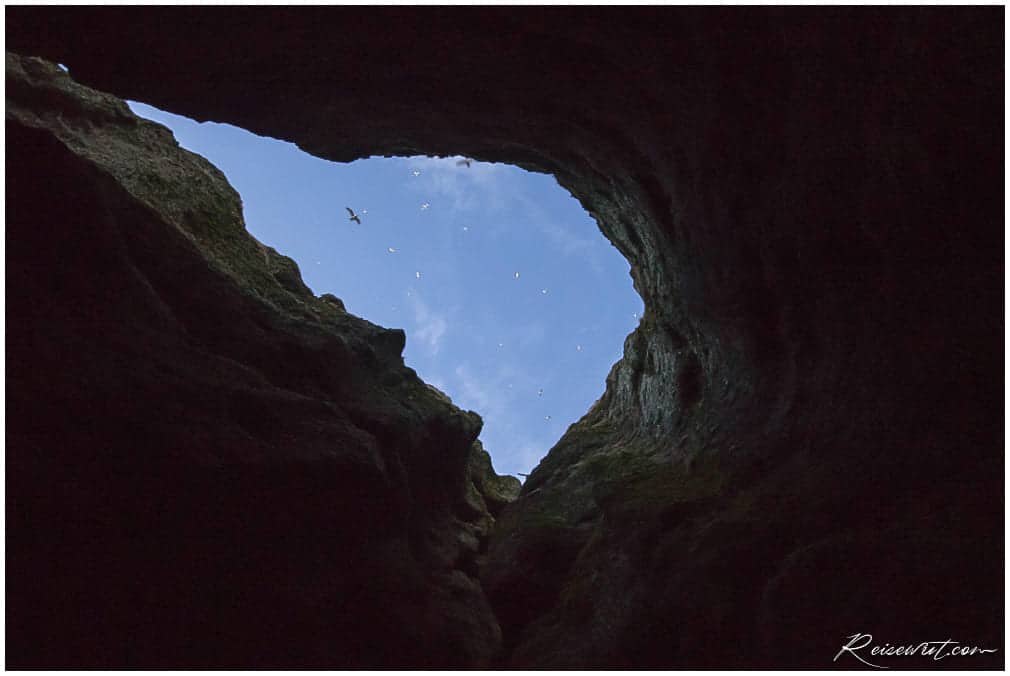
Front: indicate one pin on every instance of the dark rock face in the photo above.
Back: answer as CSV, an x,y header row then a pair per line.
x,y
207,465
803,440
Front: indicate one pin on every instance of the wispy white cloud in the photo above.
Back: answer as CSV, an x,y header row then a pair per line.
x,y
448,186
570,244
488,394
587,247
512,446
485,187
429,326
477,395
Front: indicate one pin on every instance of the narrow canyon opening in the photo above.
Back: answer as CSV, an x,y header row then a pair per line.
x,y
512,301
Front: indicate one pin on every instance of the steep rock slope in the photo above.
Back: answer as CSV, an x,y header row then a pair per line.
x,y
805,431
206,464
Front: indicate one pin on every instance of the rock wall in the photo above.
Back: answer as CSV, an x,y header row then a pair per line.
x,y
804,433
207,465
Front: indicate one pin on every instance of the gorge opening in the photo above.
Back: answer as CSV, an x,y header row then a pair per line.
x,y
512,301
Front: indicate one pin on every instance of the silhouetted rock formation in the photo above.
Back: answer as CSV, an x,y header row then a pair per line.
x,y
207,465
802,442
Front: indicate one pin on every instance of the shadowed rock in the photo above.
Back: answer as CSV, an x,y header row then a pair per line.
x,y
207,465
805,427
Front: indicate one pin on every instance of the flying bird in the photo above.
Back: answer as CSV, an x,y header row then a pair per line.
x,y
465,160
354,216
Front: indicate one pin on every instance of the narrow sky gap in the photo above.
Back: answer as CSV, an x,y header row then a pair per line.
x,y
513,302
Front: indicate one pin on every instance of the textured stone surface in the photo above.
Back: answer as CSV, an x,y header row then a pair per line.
x,y
806,426
207,464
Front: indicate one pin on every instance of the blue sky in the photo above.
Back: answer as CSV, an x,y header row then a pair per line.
x,y
513,302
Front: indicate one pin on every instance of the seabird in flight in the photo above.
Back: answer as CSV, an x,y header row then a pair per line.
x,y
354,217
465,160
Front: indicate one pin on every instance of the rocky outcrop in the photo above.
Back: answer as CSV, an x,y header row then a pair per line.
x,y
804,432
207,465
